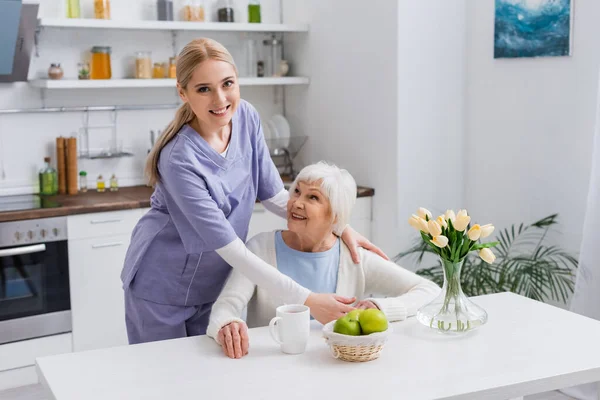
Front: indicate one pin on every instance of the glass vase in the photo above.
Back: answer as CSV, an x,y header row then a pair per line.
x,y
452,312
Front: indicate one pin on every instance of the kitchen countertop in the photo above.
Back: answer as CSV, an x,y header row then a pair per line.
x,y
91,202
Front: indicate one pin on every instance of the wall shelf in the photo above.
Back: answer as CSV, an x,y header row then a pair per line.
x,y
88,23
154,83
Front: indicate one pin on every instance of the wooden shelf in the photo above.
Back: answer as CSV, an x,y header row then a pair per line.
x,y
153,83
84,23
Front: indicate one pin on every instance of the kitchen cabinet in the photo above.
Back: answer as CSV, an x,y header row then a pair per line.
x,y
97,246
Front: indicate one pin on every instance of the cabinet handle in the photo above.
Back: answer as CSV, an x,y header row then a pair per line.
x,y
112,244
23,250
105,221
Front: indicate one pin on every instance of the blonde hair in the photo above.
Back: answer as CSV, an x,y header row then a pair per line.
x,y
337,184
194,53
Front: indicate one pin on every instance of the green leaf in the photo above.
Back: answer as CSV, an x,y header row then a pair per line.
x,y
484,245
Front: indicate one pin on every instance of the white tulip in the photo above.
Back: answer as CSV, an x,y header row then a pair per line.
x,y
434,228
461,222
418,223
487,255
475,232
440,241
440,220
422,212
450,216
486,230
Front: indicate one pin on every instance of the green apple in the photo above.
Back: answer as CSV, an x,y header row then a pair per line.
x,y
373,320
346,326
354,314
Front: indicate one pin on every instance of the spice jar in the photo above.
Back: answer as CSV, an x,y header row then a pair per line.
x,y
55,71
100,185
100,68
114,185
143,65
273,52
173,67
254,11
193,10
83,70
225,11
158,72
82,181
73,9
102,9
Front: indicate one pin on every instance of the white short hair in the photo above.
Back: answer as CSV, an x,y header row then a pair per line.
x,y
337,184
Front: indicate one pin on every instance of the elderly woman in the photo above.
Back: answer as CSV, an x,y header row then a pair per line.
x,y
321,200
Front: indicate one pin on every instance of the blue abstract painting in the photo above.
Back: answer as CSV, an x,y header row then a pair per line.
x,y
532,28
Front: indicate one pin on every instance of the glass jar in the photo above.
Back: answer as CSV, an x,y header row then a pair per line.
x,y
100,185
100,66
254,11
73,9
193,10
55,71
143,65
48,179
114,185
273,54
164,10
83,70
158,72
225,11
102,9
82,181
173,67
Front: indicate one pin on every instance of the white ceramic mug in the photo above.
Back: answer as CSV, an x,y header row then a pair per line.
x,y
291,328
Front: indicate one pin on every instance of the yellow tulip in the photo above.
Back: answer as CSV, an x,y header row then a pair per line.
x,y
422,212
461,222
475,232
440,220
418,223
449,216
434,228
486,230
487,256
440,241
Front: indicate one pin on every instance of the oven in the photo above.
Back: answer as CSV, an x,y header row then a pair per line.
x,y
34,279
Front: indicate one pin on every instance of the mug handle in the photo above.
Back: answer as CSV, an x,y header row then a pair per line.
x,y
273,329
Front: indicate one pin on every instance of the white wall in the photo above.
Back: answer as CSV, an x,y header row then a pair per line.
x,y
530,124
385,102
26,139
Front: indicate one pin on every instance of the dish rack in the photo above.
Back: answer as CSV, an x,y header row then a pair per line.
x,y
114,150
283,152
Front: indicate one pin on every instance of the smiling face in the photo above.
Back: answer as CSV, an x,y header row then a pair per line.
x,y
212,93
309,211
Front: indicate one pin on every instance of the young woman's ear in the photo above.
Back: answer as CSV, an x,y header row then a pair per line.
x,y
181,93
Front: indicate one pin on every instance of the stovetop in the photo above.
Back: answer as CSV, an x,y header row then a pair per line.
x,y
25,202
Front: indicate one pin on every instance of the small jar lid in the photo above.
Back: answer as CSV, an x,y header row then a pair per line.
x,y
82,173
101,49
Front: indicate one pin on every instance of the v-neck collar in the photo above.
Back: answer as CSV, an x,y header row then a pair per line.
x,y
208,151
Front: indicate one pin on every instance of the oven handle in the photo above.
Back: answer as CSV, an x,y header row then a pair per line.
x,y
112,244
23,250
105,221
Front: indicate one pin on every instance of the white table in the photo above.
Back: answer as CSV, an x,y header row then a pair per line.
x,y
526,347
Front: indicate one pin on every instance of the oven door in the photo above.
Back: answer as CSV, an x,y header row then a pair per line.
x,y
34,291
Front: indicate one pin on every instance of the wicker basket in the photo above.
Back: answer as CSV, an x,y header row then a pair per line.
x,y
354,348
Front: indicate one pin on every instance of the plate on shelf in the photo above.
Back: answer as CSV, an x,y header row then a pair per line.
x,y
283,129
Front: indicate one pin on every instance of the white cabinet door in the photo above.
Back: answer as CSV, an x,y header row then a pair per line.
x,y
96,295
264,221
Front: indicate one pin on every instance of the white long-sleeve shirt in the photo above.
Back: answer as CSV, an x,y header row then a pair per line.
x,y
402,291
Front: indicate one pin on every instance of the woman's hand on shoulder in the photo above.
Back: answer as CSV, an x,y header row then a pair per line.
x,y
354,240
234,340
365,304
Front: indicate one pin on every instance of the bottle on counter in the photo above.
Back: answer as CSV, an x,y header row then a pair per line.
x,y
73,9
82,181
114,184
254,11
100,185
48,179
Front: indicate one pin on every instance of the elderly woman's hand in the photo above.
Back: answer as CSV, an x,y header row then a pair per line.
x,y
365,304
354,240
234,339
